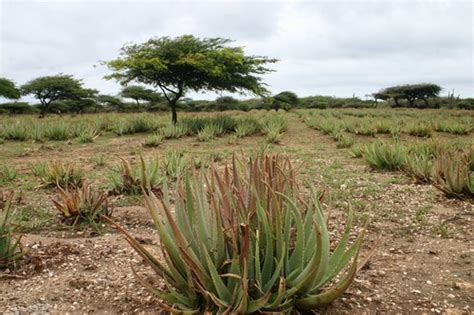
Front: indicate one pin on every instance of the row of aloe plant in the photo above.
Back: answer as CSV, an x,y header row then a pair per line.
x,y
86,129
245,239
448,167
392,123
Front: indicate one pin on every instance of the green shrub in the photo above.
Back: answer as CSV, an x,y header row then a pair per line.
x,y
267,253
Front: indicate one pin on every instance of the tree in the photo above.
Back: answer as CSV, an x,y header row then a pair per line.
x,y
8,89
409,92
16,108
84,101
109,101
284,100
186,63
226,103
139,93
49,89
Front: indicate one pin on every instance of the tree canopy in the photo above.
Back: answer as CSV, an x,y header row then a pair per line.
x,y
410,93
8,89
49,89
186,63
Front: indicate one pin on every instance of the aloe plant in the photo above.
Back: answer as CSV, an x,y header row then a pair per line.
x,y
245,241
58,173
83,206
10,241
453,175
129,179
384,156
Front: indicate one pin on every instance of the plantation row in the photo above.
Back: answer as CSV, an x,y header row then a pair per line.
x,y
86,129
394,123
447,164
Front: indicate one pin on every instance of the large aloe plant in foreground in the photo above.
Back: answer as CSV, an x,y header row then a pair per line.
x,y
245,239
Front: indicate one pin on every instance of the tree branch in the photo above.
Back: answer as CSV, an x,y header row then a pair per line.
x,y
164,92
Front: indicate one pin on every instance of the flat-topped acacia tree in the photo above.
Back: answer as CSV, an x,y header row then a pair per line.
x,y
186,63
49,89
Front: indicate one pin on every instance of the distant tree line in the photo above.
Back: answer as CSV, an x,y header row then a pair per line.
x,y
157,74
63,94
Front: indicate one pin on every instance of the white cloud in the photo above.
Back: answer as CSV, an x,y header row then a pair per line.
x,y
332,47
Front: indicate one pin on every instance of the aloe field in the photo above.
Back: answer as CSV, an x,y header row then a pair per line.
x,y
333,211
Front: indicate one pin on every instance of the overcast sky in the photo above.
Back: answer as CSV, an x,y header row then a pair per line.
x,y
325,48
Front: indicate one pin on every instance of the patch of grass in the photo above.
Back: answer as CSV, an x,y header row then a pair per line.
x,y
31,219
443,229
421,215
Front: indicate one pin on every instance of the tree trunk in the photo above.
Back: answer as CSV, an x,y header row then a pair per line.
x,y
42,111
138,104
395,99
174,114
426,102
